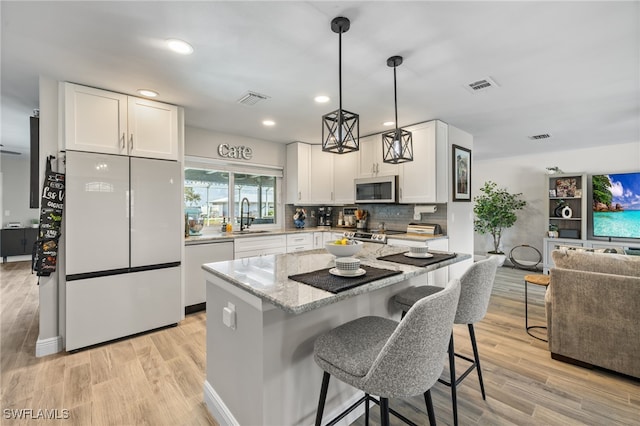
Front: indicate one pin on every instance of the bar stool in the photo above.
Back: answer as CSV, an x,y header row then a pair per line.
x,y
389,359
475,291
537,279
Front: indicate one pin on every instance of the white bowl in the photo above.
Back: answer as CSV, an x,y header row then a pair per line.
x,y
340,250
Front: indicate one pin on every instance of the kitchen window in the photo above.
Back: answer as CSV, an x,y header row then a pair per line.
x,y
213,192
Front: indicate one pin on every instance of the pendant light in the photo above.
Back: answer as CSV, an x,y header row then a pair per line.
x,y
397,144
340,128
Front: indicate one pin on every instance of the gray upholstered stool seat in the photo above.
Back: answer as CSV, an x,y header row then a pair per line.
x,y
389,359
406,298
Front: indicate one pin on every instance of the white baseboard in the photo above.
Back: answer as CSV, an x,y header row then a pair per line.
x,y
217,407
49,346
224,417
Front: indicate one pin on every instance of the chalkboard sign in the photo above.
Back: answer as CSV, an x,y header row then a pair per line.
x,y
45,252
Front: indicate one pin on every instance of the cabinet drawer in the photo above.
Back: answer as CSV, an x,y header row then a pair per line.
x,y
259,244
299,242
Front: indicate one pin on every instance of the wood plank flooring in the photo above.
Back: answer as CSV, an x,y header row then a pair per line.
x,y
157,378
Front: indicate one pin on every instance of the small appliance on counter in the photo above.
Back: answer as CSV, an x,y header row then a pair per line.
x,y
325,216
424,229
13,225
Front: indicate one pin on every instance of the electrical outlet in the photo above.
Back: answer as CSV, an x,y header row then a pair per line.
x,y
229,316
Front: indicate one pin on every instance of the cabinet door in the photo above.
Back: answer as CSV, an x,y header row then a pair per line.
x,y
297,173
367,158
95,120
156,212
152,129
418,177
345,169
96,214
195,255
12,242
322,175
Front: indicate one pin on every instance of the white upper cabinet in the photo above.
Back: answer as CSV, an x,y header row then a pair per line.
x,y
371,163
322,175
298,173
345,170
153,129
418,179
95,120
111,123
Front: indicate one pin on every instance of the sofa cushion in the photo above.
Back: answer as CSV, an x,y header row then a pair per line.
x,y
606,263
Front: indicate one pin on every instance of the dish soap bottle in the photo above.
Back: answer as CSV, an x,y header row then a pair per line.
x,y
229,226
224,225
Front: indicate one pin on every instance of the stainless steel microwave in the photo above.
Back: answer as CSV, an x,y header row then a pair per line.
x,y
379,189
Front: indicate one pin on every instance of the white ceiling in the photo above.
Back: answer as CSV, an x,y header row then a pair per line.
x,y
570,69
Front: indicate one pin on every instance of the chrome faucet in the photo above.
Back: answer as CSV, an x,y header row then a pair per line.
x,y
242,225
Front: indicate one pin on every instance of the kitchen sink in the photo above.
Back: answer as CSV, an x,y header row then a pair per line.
x,y
249,232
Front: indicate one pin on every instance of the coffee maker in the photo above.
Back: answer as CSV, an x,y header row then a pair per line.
x,y
325,216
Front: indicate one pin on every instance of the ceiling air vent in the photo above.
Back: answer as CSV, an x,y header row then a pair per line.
x,y
541,136
252,98
481,85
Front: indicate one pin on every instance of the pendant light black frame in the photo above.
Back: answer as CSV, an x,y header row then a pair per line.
x,y
340,128
397,144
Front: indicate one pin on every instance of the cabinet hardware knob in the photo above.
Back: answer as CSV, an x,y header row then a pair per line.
x,y
122,139
131,143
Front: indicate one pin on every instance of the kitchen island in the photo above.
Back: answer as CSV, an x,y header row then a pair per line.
x,y
261,327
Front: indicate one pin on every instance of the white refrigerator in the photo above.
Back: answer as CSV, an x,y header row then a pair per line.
x,y
122,246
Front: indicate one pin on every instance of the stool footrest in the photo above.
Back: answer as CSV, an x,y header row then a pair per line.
x,y
461,377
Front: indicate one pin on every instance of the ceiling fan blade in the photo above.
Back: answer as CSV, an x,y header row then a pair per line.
x,y
4,151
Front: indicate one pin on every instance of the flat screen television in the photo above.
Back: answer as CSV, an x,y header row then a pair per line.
x,y
616,205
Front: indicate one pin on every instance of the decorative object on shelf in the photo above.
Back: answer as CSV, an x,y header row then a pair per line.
x,y
298,217
495,211
566,187
340,128
461,173
553,170
552,193
566,212
553,231
397,144
560,204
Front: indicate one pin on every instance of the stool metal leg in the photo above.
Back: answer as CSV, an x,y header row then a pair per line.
x,y
323,397
366,409
384,411
452,373
429,403
472,334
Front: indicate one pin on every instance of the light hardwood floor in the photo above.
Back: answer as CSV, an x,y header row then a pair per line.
x,y
157,378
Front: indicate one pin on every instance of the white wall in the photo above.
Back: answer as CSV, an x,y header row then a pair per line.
x,y
15,191
204,143
527,174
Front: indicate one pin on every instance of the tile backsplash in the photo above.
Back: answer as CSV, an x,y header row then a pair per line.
x,y
394,216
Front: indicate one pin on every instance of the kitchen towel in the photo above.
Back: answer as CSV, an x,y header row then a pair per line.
x,y
323,280
401,258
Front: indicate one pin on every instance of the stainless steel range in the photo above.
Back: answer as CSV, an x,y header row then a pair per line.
x,y
371,236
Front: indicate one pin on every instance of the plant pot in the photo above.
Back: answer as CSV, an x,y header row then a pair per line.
x,y
501,257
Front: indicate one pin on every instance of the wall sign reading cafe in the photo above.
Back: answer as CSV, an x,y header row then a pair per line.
x,y
235,152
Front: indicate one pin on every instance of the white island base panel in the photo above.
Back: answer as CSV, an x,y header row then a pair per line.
x,y
263,372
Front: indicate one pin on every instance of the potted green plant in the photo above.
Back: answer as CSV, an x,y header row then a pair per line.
x,y
495,211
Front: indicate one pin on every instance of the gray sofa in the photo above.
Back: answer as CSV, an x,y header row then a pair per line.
x,y
593,310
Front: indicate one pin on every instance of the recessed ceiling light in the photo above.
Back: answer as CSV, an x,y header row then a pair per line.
x,y
179,46
148,93
322,99
269,123
388,123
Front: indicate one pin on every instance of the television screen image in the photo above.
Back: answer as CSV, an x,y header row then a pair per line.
x,y
616,205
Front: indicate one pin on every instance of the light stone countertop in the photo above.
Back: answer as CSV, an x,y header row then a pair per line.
x,y
217,237
267,276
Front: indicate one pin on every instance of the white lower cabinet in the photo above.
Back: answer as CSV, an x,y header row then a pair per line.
x,y
106,308
195,255
299,242
318,240
259,246
438,277
330,236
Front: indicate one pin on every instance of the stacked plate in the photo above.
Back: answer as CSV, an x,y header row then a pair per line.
x,y
421,252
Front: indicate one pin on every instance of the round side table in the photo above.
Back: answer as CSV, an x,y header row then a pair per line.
x,y
537,279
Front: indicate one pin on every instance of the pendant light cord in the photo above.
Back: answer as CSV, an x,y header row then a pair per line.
x,y
340,86
395,96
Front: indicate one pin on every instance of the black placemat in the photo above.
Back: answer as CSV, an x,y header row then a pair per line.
x,y
415,261
323,280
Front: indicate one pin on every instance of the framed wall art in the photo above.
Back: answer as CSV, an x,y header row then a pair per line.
x,y
461,173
